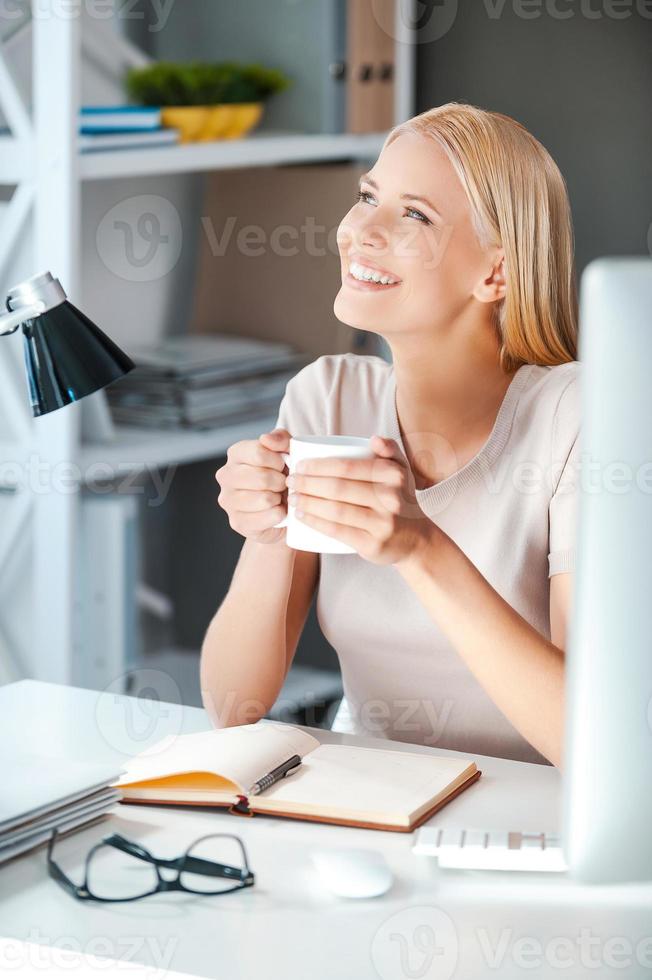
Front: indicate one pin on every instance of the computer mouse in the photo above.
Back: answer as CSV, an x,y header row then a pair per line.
x,y
353,872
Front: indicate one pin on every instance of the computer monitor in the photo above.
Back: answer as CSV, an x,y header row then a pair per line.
x,y
607,768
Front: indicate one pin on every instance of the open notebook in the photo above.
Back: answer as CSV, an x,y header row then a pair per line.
x,y
344,784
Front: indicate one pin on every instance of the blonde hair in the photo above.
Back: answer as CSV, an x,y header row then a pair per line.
x,y
519,202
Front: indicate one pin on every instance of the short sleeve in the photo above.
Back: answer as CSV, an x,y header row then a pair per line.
x,y
303,410
564,503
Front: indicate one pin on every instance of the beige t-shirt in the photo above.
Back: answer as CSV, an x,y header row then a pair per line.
x,y
511,509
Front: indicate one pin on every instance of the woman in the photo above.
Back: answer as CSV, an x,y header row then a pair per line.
x,y
450,621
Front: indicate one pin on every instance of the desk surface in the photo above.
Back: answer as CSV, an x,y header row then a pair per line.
x,y
430,924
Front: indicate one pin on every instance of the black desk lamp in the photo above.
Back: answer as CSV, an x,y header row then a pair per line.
x,y
66,356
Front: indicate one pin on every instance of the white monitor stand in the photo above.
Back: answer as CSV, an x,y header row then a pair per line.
x,y
607,825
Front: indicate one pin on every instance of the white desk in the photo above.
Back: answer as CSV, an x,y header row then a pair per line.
x,y
431,924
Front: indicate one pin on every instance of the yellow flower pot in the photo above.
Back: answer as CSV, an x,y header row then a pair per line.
x,y
199,123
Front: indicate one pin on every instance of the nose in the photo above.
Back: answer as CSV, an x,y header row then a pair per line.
x,y
365,233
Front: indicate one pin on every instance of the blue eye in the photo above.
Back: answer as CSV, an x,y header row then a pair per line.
x,y
364,195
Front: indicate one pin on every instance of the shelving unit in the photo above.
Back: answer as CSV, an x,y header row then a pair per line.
x,y
136,449
41,160
257,150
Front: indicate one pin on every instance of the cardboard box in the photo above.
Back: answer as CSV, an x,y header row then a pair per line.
x,y
268,265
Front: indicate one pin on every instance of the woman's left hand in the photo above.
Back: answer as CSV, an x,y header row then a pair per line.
x,y
369,504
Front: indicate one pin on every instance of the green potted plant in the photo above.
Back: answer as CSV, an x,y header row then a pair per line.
x,y
206,101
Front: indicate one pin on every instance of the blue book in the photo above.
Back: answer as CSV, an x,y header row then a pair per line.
x,y
119,119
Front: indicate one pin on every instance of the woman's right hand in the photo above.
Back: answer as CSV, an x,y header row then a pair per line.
x,y
253,491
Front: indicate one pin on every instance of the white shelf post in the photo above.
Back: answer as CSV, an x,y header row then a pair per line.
x,y
56,87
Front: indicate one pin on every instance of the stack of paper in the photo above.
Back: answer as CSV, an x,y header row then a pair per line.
x,y
202,381
39,794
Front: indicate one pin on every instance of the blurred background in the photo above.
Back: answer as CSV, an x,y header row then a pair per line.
x,y
185,209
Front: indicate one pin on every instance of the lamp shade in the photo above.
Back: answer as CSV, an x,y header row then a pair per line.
x,y
66,355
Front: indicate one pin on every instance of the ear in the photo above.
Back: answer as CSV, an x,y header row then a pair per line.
x,y
493,286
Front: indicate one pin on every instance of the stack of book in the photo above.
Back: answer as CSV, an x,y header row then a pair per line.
x,y
122,126
202,381
39,794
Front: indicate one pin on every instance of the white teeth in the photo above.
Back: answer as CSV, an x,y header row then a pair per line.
x,y
368,275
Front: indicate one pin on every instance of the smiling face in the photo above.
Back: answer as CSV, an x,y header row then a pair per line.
x,y
412,225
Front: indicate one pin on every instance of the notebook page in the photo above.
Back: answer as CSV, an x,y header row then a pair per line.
x,y
336,778
241,754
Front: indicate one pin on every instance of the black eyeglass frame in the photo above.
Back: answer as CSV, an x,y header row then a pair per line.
x,y
184,863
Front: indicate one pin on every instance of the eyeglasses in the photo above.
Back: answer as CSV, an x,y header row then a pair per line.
x,y
119,870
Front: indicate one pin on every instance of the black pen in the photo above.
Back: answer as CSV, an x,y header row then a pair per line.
x,y
276,774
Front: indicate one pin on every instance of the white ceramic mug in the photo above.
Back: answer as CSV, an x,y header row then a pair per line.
x,y
300,535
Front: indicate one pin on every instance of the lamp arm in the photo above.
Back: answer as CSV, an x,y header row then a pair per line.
x,y
9,322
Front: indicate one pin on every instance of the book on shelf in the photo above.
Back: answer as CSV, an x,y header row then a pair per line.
x,y
119,118
382,789
90,142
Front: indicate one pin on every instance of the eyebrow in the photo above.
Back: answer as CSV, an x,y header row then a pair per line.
x,y
404,197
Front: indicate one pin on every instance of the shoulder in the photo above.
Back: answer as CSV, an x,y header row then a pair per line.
x,y
553,394
334,392
554,384
552,411
331,371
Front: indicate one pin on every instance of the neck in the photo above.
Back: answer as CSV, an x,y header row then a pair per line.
x,y
448,392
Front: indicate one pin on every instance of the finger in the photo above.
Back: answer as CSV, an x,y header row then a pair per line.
x,y
247,477
350,515
378,496
276,439
256,454
374,470
334,488
388,448
247,523
353,536
252,501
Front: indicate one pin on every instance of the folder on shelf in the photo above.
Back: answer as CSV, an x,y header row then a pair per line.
x,y
371,65
382,789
